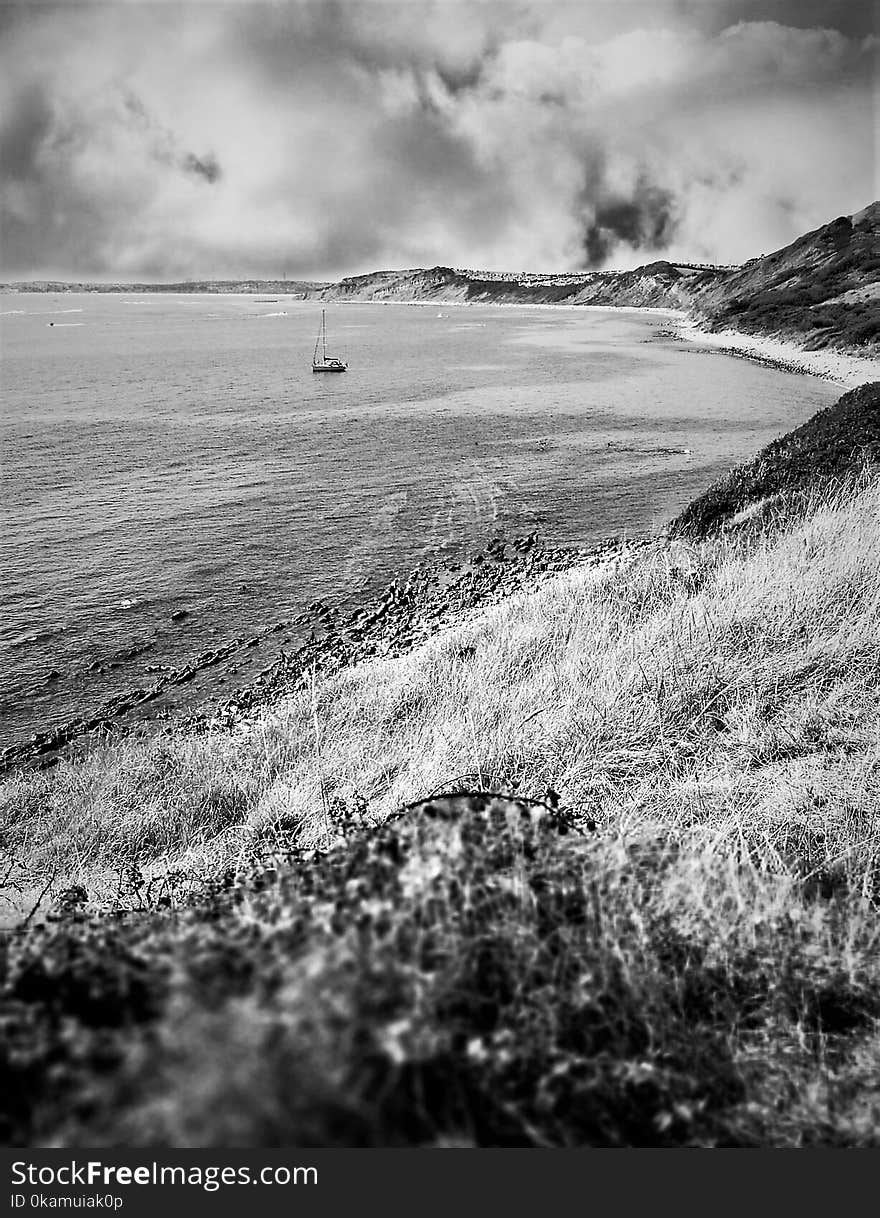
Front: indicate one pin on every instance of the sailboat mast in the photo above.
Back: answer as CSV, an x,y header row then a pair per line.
x,y
325,364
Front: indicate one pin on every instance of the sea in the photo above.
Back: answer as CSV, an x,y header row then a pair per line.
x,y
175,476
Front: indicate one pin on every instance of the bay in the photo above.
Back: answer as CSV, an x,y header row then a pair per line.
x,y
174,454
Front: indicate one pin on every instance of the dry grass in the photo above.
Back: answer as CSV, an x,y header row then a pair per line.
x,y
730,686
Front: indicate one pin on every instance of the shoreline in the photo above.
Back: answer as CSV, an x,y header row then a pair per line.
x,y
838,367
433,596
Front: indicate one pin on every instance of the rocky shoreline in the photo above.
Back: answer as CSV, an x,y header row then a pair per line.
x,y
408,611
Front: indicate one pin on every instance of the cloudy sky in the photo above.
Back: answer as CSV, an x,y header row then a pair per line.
x,y
164,140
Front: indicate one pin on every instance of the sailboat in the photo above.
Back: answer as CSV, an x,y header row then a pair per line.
x,y
325,363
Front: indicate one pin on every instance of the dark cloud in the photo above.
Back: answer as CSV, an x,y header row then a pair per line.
x,y
164,145
645,219
459,79
206,167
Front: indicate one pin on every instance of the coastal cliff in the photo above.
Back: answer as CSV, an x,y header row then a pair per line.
x,y
659,285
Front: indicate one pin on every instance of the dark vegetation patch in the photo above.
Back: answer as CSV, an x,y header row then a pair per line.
x,y
838,441
487,290
800,312
479,970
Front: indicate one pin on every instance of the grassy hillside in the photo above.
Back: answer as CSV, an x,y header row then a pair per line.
x,y
837,443
823,289
670,939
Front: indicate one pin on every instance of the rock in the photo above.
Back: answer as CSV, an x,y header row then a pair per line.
x,y
179,615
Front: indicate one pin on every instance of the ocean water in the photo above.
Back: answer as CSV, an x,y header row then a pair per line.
x,y
176,452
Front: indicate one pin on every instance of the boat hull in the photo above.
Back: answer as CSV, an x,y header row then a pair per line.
x,y
329,367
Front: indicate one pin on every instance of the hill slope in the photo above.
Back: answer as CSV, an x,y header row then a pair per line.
x,y
823,289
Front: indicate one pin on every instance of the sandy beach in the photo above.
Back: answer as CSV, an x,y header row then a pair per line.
x,y
839,367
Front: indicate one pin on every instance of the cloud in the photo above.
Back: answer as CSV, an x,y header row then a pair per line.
x,y
644,219
322,139
700,146
159,142
204,167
